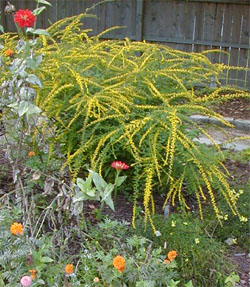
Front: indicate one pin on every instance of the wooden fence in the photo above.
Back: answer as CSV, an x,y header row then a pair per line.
x,y
188,25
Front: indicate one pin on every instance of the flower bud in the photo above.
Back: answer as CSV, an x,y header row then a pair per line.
x,y
9,9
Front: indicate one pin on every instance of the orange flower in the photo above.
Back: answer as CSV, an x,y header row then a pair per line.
x,y
167,261
69,268
9,53
31,153
172,255
33,273
119,263
16,228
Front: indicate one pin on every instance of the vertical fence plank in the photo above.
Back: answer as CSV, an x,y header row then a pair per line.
x,y
150,18
188,23
200,26
208,24
247,34
245,53
139,20
239,50
217,31
236,38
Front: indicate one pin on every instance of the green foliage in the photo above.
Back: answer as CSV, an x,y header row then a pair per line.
x,y
242,156
200,257
144,263
232,279
101,191
21,253
110,103
93,188
233,227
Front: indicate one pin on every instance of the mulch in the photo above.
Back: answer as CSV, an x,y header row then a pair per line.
x,y
238,108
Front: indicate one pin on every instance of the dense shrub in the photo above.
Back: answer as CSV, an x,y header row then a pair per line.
x,y
132,101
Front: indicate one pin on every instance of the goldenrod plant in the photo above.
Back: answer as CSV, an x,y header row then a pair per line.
x,y
132,101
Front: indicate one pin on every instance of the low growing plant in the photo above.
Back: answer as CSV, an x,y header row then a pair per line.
x,y
22,255
234,229
116,260
200,257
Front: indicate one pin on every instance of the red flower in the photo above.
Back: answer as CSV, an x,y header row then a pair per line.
x,y
119,165
24,18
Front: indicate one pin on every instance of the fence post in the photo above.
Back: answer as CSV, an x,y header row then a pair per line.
x,y
139,20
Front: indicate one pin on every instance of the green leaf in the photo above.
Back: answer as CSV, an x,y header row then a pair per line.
x,y
80,196
40,32
1,281
120,180
37,31
38,11
84,185
99,182
38,59
23,108
78,207
173,283
87,191
145,283
44,2
27,108
40,281
33,109
91,193
232,279
80,183
106,196
189,284
46,259
31,63
30,30
33,79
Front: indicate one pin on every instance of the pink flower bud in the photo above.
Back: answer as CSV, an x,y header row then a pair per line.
x,y
26,281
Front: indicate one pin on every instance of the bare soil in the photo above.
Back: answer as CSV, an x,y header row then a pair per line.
x,y
238,108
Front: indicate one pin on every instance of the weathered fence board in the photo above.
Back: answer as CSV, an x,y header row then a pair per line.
x,y
188,25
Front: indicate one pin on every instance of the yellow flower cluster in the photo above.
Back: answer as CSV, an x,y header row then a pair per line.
x,y
243,219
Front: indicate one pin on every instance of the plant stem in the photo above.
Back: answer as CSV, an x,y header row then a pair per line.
x,y
116,181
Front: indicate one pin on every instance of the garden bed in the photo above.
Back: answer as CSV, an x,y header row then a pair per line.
x,y
82,124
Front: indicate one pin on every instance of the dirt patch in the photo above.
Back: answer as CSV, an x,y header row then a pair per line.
x,y
239,171
235,108
241,258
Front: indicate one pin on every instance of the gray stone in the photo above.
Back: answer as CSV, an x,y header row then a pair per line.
x,y
238,123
